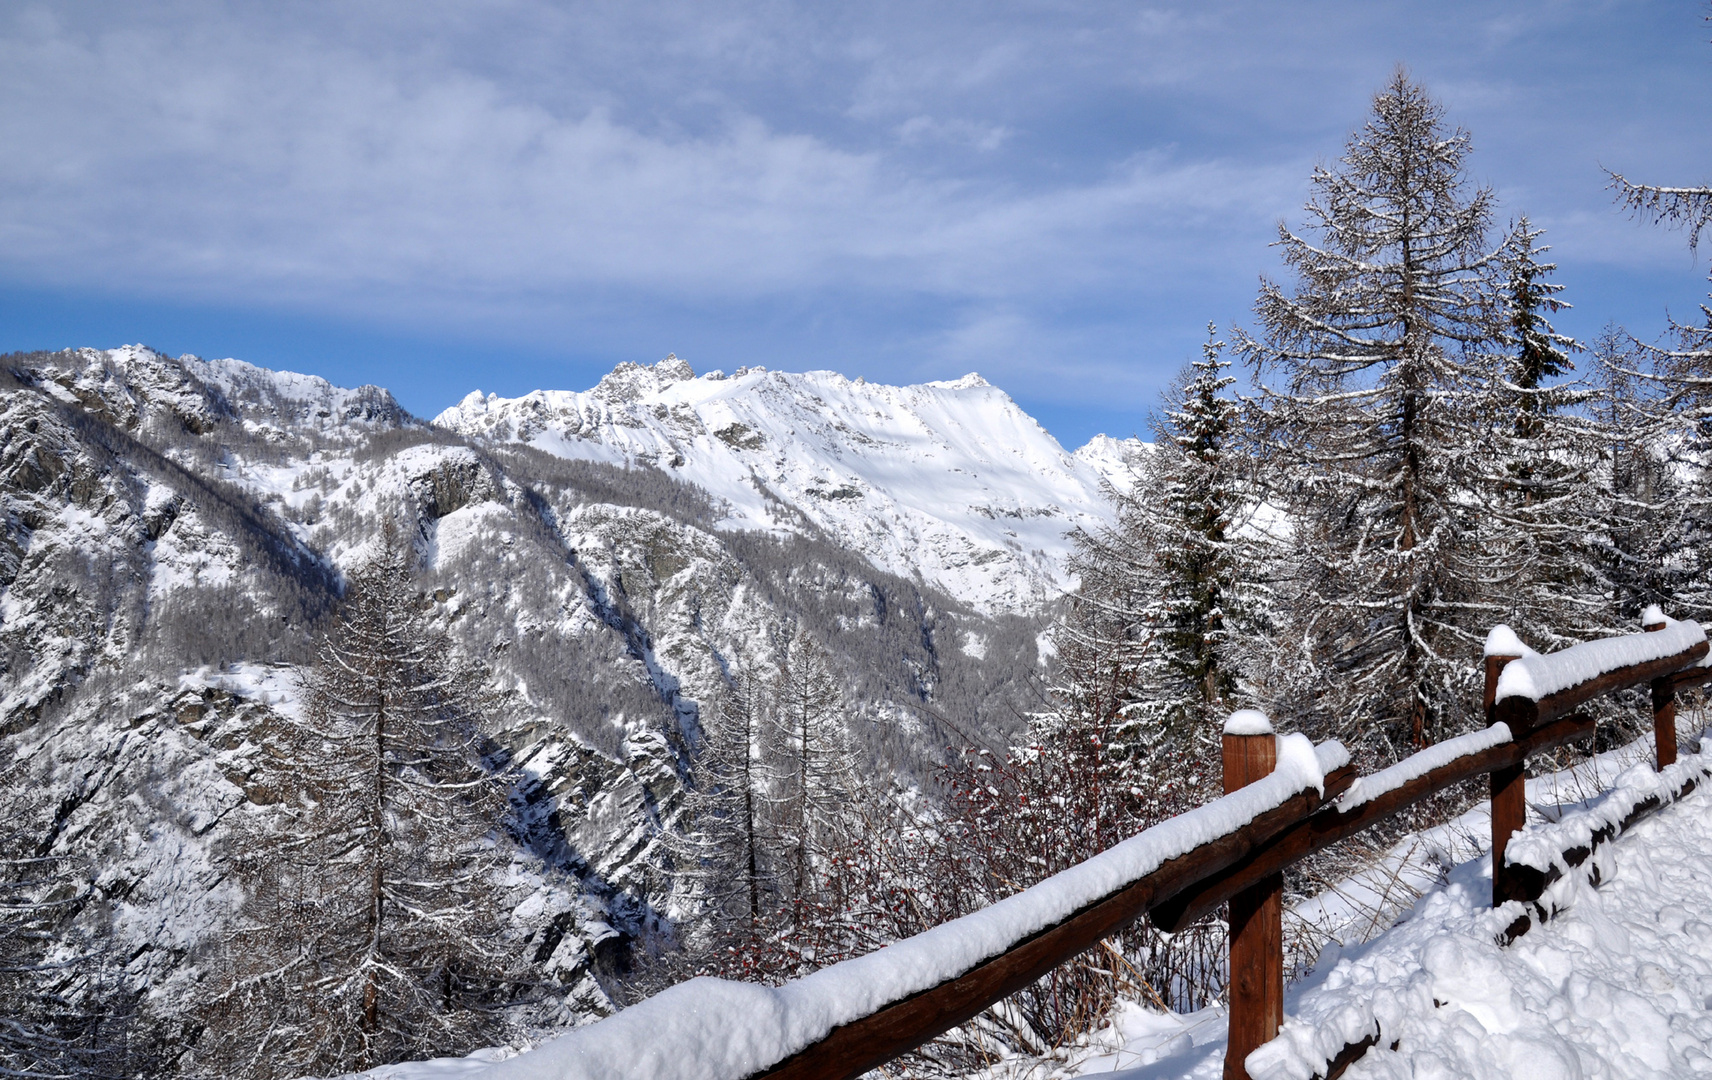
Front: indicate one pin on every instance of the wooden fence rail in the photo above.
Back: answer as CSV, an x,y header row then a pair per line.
x,y
1244,867
1530,710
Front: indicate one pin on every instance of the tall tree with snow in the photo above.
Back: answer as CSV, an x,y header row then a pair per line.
x,y
1361,421
63,1014
726,845
1545,504
816,768
371,932
1674,405
1195,487
1150,640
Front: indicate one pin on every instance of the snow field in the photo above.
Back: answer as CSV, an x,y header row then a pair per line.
x,y
1618,984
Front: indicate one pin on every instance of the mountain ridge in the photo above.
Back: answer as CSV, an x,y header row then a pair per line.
x,y
949,481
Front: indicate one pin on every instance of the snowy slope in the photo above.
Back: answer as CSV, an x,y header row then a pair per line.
x,y
947,482
1618,984
172,534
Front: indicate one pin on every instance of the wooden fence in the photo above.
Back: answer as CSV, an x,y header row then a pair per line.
x,y
1244,867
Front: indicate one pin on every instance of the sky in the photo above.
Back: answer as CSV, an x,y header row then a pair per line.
x,y
520,194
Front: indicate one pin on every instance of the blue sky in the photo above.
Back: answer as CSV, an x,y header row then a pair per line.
x,y
439,197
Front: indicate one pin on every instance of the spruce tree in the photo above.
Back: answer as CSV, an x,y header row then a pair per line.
x,y
1541,353
372,928
1366,369
1544,504
1148,652
1196,556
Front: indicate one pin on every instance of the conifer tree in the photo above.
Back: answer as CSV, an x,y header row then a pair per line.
x,y
816,770
371,933
1544,505
1195,488
1149,641
1540,352
1362,422
726,845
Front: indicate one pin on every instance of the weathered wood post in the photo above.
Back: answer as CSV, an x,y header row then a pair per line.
x,y
1256,913
1664,699
1509,785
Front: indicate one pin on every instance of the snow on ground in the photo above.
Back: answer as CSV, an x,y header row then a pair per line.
x,y
1618,985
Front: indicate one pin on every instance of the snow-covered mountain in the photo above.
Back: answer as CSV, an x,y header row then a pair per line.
x,y
173,534
947,482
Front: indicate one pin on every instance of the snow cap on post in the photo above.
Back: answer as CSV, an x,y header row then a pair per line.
x,y
1502,641
1248,722
1653,616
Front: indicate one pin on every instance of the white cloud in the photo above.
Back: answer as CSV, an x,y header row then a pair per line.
x,y
1078,185
218,163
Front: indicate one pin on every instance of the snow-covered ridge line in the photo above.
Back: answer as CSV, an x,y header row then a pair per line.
x,y
714,1029
1539,675
950,482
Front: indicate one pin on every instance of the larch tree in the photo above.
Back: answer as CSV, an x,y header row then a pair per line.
x,y
1673,406
815,765
372,930
1365,368
725,847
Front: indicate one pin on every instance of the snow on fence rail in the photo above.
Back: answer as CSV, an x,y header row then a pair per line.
x,y
1285,800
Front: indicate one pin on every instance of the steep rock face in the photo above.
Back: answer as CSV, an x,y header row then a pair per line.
x,y
175,534
948,482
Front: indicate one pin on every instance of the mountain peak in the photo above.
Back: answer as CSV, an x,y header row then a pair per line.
x,y
947,481
630,381
971,381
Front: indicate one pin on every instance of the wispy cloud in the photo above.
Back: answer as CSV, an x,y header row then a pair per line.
x,y
1081,184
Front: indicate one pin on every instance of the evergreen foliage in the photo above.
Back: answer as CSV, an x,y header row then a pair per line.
x,y
1363,427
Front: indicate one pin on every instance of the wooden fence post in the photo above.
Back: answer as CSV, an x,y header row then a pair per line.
x,y
1664,710
1509,789
1256,913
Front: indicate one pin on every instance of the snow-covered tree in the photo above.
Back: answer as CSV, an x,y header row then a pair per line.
x,y
1194,504
1541,479
1540,353
1365,367
1147,650
815,767
372,932
64,1012
726,845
